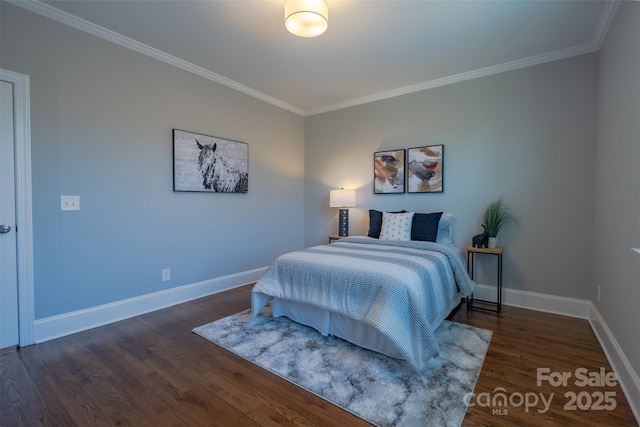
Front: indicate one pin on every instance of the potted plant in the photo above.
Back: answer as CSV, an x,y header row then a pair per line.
x,y
495,216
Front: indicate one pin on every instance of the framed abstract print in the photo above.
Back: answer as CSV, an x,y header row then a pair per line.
x,y
388,172
425,169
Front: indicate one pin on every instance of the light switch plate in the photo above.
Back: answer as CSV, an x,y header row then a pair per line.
x,y
69,203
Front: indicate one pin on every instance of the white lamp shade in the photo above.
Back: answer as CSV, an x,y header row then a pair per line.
x,y
306,18
342,198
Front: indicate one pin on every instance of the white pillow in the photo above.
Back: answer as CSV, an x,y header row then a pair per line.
x,y
445,229
396,226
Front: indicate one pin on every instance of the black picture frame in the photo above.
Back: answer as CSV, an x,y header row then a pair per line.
x,y
209,164
388,171
425,169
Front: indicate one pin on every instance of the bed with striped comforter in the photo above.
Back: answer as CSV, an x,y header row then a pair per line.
x,y
403,290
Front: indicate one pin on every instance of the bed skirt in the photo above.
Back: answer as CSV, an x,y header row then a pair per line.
x,y
330,323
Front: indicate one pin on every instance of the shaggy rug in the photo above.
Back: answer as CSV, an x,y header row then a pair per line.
x,y
382,390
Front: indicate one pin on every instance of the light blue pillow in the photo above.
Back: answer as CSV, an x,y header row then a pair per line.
x,y
445,229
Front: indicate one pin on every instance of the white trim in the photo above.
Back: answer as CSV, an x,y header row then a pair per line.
x,y
457,78
24,219
106,34
629,381
564,306
606,18
584,309
81,320
77,321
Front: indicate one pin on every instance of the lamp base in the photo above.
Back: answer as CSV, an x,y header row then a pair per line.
x,y
343,222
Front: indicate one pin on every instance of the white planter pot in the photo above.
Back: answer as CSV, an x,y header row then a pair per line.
x,y
493,242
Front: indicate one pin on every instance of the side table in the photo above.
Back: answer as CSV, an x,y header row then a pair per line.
x,y
471,255
333,237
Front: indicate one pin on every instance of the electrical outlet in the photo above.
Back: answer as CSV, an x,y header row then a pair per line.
x,y
598,294
166,274
69,203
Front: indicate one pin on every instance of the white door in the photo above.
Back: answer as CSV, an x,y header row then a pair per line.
x,y
9,330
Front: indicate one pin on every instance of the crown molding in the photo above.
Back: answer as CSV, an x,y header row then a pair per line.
x,y
88,27
604,23
606,18
469,75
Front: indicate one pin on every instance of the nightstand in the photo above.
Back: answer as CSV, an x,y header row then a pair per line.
x,y
471,255
333,237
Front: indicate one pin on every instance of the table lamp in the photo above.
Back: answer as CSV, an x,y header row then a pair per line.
x,y
342,199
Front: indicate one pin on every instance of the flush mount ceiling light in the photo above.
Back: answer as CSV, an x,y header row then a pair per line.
x,y
306,18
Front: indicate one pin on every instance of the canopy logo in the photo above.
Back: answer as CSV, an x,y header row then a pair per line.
x,y
597,400
499,401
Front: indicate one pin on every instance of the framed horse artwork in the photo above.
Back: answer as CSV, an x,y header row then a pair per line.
x,y
208,163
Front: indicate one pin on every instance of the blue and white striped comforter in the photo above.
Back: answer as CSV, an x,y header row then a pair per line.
x,y
399,288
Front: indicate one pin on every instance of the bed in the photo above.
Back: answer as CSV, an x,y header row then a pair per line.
x,y
385,295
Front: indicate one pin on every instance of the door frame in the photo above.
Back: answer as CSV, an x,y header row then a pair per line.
x,y
24,217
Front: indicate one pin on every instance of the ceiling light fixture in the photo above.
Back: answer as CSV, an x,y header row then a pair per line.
x,y
306,18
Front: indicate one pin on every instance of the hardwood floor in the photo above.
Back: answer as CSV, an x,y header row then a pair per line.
x,y
151,370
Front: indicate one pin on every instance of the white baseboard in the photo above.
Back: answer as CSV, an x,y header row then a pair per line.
x,y
584,309
564,306
81,320
629,381
77,321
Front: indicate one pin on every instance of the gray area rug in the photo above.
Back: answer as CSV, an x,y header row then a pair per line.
x,y
382,390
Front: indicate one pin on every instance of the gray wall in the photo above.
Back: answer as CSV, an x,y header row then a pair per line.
x,y
102,120
617,204
101,128
527,136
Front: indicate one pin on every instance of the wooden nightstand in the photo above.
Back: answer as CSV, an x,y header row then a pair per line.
x,y
471,255
333,237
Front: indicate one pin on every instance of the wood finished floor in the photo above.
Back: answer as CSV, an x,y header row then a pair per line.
x,y
151,370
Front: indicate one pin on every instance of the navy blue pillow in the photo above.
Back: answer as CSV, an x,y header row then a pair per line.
x,y
375,223
425,226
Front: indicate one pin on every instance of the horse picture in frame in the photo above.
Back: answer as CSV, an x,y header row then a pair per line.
x,y
209,164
